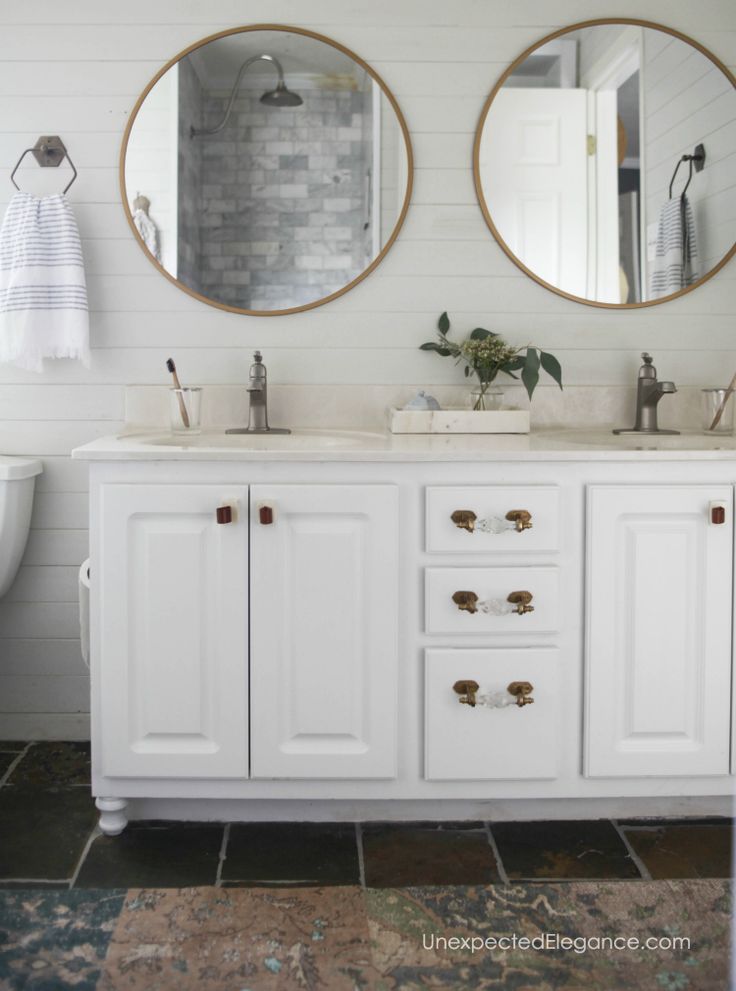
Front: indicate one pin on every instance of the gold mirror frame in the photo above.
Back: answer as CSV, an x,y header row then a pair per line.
x,y
479,134
402,125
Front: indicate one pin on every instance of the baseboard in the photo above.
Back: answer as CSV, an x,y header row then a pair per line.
x,y
288,810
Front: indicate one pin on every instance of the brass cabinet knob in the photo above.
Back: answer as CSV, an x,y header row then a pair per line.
x,y
466,601
464,519
522,691
521,600
466,690
470,602
522,518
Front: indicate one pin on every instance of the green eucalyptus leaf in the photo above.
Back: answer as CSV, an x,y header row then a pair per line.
x,y
551,366
479,334
467,371
444,324
514,364
530,371
429,346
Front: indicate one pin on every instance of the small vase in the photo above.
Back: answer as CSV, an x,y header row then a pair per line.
x,y
486,399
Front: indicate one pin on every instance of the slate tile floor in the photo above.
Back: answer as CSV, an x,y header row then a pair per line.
x,y
49,839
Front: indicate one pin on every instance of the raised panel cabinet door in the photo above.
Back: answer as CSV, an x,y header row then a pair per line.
x,y
172,669
324,589
658,639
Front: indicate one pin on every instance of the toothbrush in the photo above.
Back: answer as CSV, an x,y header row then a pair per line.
x,y
177,385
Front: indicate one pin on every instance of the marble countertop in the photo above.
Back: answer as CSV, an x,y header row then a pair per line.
x,y
350,445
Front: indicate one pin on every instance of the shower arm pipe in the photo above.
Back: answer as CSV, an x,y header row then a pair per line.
x,y
196,131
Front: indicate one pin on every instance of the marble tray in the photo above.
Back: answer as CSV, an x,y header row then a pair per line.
x,y
459,421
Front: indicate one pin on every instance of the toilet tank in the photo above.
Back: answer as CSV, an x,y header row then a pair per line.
x,y
17,482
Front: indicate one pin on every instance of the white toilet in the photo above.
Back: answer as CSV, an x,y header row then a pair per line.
x,y
17,481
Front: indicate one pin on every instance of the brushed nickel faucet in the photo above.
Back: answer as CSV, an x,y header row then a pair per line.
x,y
258,402
648,393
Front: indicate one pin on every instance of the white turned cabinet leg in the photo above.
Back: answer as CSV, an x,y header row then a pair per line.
x,y
113,819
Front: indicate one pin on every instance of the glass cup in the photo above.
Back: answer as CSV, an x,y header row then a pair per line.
x,y
711,401
492,398
185,409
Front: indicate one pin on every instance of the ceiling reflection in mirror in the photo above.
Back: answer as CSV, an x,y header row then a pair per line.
x,y
266,170
584,153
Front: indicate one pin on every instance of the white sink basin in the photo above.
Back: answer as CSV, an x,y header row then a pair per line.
x,y
298,440
686,441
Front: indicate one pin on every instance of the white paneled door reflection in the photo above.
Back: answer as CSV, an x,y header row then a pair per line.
x,y
537,188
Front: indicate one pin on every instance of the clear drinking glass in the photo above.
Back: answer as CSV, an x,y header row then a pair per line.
x,y
185,409
492,398
711,402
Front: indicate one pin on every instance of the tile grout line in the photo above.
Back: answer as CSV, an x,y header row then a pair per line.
x,y
96,831
223,854
361,860
499,863
638,862
15,763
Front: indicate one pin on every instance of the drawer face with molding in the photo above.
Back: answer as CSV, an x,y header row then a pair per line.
x,y
491,600
466,743
481,519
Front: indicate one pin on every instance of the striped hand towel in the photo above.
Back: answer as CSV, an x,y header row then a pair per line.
x,y
43,293
676,258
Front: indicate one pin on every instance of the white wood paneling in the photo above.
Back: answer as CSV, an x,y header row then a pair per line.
x,y
56,583
56,547
76,69
33,658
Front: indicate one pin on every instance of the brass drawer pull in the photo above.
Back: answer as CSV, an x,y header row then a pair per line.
x,y
516,519
466,690
517,692
521,690
516,602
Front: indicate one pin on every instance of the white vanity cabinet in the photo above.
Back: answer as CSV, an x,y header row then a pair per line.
x,y
659,618
180,585
306,653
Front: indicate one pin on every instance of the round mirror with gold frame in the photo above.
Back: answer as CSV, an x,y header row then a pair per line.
x,y
266,169
603,163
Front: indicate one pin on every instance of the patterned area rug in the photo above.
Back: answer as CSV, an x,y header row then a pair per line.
x,y
319,939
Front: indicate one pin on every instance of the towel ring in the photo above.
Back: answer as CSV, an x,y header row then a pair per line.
x,y
49,152
696,160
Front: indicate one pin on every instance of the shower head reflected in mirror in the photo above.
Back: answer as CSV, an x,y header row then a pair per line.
x,y
279,97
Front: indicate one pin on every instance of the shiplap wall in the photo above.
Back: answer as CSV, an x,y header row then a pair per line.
x,y
674,86
75,69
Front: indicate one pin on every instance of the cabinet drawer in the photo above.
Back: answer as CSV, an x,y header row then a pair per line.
x,y
491,600
467,743
484,518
